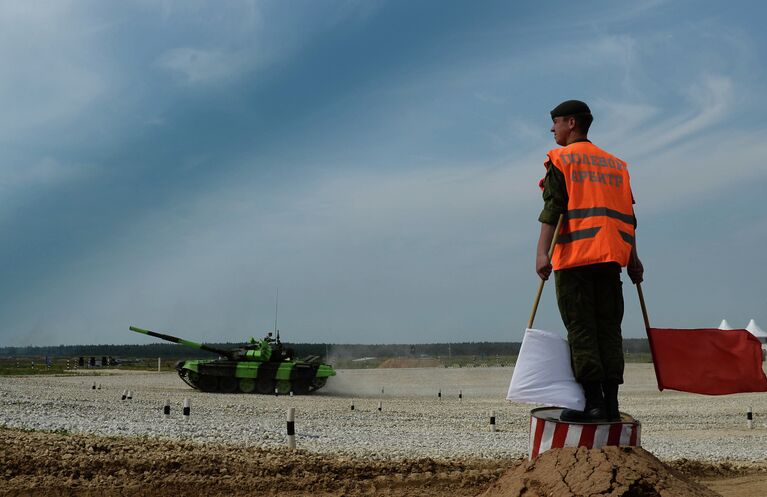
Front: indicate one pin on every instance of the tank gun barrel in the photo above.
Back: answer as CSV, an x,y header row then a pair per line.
x,y
194,345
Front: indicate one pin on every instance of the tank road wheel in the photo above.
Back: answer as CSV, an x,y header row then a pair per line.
x,y
283,387
247,385
227,384
190,377
208,383
300,387
264,385
319,382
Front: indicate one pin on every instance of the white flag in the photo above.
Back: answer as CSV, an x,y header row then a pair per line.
x,y
543,374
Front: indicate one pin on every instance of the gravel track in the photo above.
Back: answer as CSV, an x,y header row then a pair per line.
x,y
413,421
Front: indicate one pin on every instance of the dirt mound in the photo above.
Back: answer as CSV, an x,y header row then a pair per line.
x,y
611,471
410,362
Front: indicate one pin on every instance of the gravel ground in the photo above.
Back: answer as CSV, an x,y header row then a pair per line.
x,y
413,422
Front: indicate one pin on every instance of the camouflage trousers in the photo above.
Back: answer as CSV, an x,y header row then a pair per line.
x,y
590,300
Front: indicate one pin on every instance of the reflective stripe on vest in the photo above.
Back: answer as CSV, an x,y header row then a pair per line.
x,y
599,222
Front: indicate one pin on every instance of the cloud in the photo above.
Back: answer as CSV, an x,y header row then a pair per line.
x,y
246,32
680,153
21,180
615,120
356,251
711,101
611,50
47,171
400,199
197,66
697,168
234,17
489,98
50,72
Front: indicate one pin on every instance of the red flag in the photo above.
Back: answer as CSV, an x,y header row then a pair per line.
x,y
707,361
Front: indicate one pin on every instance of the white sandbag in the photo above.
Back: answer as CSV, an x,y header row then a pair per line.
x,y
543,374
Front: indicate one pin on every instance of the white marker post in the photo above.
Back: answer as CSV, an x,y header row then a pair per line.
x,y
124,395
352,405
439,394
380,406
460,394
166,409
186,409
159,364
492,421
130,395
750,418
291,427
94,386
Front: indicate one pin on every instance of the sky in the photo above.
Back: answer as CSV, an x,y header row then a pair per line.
x,y
173,165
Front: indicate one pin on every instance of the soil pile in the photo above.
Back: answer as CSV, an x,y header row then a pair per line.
x,y
611,471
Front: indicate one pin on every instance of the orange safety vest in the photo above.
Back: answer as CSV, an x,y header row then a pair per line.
x,y
599,222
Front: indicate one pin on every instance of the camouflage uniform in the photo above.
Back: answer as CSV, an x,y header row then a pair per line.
x,y
590,300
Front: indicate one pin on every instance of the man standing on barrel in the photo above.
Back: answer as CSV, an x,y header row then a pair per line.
x,y
590,188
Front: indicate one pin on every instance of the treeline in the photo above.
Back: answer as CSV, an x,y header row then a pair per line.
x,y
172,351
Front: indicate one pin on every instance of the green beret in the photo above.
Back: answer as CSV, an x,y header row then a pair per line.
x,y
570,108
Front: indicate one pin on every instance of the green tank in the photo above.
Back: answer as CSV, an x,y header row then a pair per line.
x,y
261,366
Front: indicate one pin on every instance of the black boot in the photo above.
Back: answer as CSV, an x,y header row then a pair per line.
x,y
611,401
595,406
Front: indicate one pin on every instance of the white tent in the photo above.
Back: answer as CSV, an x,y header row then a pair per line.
x,y
724,325
756,330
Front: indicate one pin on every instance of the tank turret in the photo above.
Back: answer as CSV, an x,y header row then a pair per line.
x,y
259,366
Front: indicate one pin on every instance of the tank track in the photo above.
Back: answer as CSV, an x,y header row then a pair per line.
x,y
264,386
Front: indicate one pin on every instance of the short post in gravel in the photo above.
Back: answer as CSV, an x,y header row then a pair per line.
x,y
166,408
130,395
380,406
352,407
439,394
750,418
492,421
159,364
460,394
291,427
186,409
124,395
94,386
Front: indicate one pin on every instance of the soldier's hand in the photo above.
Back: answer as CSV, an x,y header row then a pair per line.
x,y
635,270
543,266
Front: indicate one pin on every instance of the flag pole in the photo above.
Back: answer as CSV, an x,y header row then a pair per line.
x,y
540,285
644,307
649,335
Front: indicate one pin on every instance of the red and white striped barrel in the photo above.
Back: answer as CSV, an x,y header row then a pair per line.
x,y
547,431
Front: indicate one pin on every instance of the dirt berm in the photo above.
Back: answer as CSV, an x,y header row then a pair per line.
x,y
39,464
43,464
611,471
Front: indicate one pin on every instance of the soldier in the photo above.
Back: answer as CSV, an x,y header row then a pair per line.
x,y
591,188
